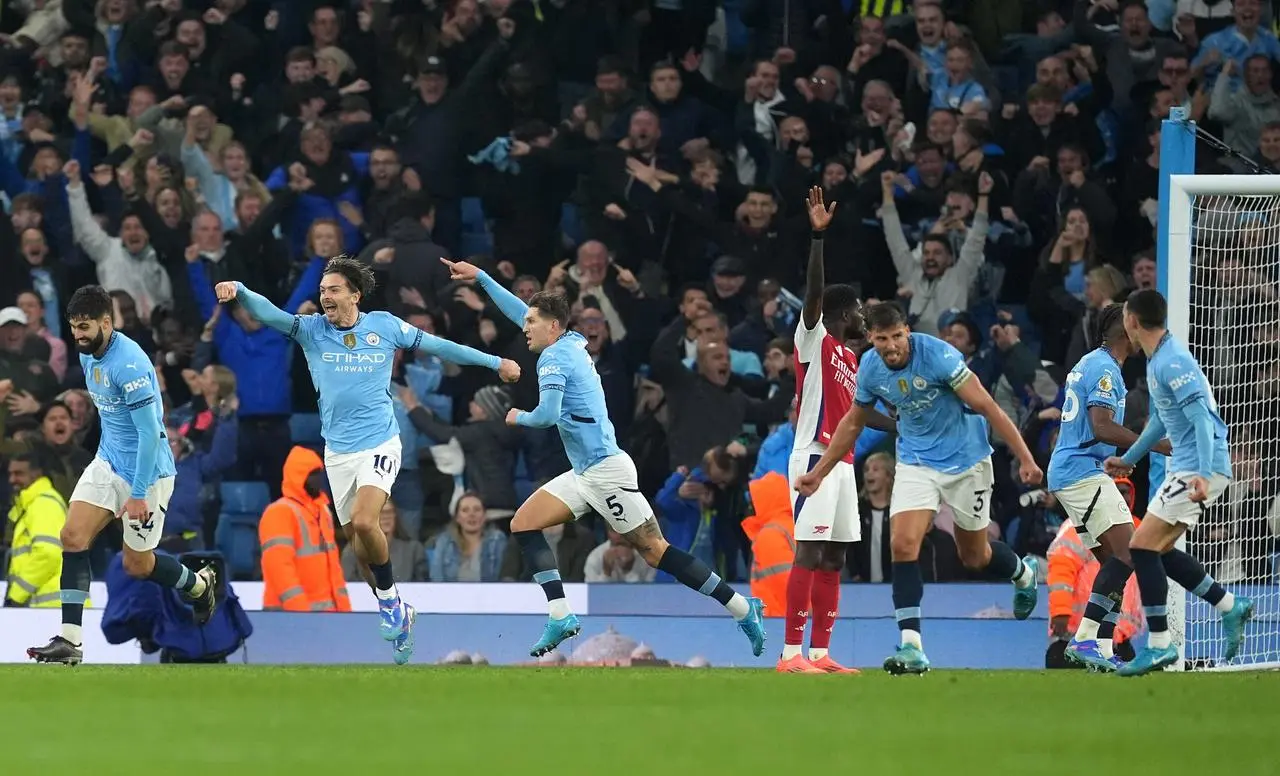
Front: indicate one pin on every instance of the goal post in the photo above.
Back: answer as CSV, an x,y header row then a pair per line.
x,y
1218,264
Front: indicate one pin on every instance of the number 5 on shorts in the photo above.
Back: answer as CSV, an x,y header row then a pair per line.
x,y
615,508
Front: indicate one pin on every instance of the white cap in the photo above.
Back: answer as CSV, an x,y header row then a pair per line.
x,y
12,315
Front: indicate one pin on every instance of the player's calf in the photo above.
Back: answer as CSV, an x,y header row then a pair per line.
x,y
164,569
688,570
825,598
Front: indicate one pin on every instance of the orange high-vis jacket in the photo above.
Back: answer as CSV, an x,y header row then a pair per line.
x,y
773,546
1072,569
301,568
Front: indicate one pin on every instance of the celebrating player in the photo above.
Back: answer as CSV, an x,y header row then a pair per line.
x,y
827,521
130,477
943,457
603,477
1198,474
350,355
1091,429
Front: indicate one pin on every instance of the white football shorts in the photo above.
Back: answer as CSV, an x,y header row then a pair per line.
x,y
349,472
611,488
831,513
1094,505
919,488
1172,505
100,486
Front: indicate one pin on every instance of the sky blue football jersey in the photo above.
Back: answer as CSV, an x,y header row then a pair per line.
x,y
584,422
351,371
121,381
1094,382
1175,380
936,429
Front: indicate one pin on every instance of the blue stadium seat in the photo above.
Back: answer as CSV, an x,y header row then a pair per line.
x,y
522,466
236,537
249,498
305,429
475,244
473,215
571,223
524,489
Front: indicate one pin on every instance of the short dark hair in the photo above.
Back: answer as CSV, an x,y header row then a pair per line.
x,y
32,457
92,302
358,276
1150,308
940,240
693,286
553,305
720,458
839,298
1108,326
886,315
173,48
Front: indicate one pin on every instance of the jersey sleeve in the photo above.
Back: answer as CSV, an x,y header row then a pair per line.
x,y
1103,388
137,386
867,375
306,328
552,372
402,334
1182,377
809,341
946,364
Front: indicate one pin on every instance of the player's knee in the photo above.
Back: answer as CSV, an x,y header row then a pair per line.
x,y
138,564
833,555
74,538
652,551
808,555
363,521
904,548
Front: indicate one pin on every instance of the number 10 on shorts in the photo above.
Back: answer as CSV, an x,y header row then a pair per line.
x,y
384,465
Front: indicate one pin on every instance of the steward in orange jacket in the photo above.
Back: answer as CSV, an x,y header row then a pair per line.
x,y
773,546
301,568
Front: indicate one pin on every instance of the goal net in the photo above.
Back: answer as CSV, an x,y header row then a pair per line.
x,y
1224,301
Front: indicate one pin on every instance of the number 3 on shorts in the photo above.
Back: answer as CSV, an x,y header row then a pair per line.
x,y
615,508
979,501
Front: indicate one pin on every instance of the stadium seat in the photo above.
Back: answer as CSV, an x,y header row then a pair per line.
x,y
473,219
236,537
305,429
475,244
249,498
524,489
522,467
571,223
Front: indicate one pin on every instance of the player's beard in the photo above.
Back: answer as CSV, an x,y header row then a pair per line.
x,y
93,345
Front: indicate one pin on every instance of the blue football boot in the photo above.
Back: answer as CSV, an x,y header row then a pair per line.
x,y
555,632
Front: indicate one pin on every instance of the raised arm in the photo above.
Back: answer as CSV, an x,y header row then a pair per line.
x,y
258,306
447,350
819,219
508,303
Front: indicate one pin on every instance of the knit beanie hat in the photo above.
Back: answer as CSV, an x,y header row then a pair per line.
x,y
494,400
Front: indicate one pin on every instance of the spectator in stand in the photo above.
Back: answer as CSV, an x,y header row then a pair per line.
x,y
617,561
301,569
184,522
937,281
688,505
408,558
1237,43
1245,109
470,549
489,444
32,305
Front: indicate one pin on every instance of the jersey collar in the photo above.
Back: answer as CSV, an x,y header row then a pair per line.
x,y
1111,355
110,341
1160,344
359,317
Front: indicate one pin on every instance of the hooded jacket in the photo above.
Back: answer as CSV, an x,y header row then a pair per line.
x,y
773,546
301,568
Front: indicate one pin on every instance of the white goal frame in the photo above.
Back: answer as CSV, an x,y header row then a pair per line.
x,y
1177,222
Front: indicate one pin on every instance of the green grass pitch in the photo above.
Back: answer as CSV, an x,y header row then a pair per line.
x,y
434,721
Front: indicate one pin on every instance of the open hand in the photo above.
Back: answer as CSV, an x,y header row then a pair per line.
x,y
819,213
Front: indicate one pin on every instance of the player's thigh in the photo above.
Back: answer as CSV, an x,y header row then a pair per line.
x,y
144,535
612,489
906,533
1172,503
98,497
559,501
84,522
375,472
1094,506
969,496
831,513
340,469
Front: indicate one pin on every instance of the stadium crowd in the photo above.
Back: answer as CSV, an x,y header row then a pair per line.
x,y
650,160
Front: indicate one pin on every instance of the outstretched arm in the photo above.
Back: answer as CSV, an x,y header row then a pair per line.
x,y
972,393
504,300
258,306
546,413
448,350
1150,435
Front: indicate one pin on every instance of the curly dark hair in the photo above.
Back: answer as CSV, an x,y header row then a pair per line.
x,y
91,302
358,275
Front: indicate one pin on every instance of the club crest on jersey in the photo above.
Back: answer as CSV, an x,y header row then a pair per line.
x,y
372,339
100,378
902,385
919,383
349,340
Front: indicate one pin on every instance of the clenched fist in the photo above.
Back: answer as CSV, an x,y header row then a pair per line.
x,y
226,291
509,371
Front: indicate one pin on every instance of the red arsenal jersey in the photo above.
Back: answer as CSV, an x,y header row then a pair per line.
x,y
826,378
